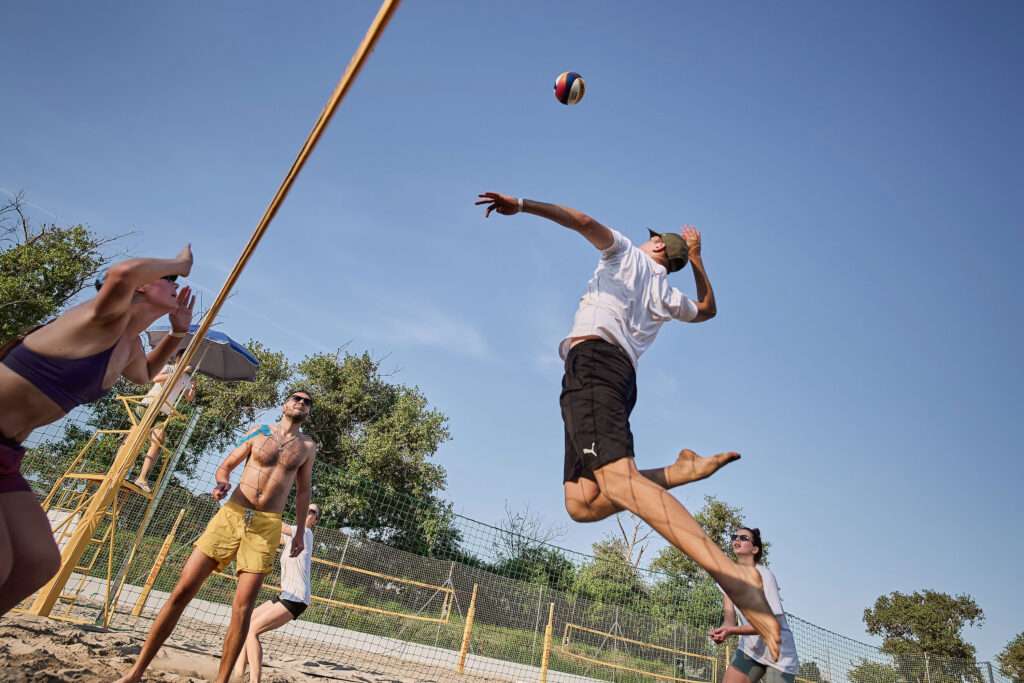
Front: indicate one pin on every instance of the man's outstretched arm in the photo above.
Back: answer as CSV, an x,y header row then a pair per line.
x,y
597,234
706,308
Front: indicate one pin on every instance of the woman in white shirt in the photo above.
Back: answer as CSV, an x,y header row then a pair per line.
x,y
295,596
752,663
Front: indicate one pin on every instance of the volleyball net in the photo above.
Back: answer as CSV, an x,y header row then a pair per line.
x,y
451,597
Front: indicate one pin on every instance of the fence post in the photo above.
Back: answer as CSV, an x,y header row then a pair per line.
x,y
927,674
991,677
549,630
337,574
161,557
536,623
464,650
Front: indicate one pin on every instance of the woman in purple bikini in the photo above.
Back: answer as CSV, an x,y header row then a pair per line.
x,y
72,360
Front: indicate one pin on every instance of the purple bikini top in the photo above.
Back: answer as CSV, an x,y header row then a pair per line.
x,y
68,382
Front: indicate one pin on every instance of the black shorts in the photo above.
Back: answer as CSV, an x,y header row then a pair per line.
x,y
296,608
598,394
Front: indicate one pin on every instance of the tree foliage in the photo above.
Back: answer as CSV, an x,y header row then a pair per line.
x,y
867,671
810,671
369,429
610,577
924,622
1011,659
522,551
41,270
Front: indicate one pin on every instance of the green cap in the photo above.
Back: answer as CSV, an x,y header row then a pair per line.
x,y
676,250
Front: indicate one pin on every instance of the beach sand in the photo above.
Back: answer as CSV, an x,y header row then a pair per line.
x,y
40,650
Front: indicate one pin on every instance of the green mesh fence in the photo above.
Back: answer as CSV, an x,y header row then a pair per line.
x,y
398,598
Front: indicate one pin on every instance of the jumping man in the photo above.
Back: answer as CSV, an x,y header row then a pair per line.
x,y
627,301
247,529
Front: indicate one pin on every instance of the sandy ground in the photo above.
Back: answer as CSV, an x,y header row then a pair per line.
x,y
39,650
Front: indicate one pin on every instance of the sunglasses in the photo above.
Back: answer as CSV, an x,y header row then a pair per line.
x,y
301,399
740,537
170,278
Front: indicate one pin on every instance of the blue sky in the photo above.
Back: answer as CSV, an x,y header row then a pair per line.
x,y
852,169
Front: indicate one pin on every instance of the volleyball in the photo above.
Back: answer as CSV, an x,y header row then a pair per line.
x,y
569,87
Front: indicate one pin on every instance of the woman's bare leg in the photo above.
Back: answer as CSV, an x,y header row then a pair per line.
x,y
28,555
267,617
156,443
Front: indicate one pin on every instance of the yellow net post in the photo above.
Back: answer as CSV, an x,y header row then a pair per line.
x,y
161,557
545,658
105,494
464,649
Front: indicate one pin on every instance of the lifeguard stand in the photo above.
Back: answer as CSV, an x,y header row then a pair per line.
x,y
102,569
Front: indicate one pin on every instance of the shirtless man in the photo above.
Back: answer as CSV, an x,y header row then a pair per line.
x,y
627,301
247,529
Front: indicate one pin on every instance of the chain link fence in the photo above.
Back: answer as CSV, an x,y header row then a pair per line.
x,y
442,594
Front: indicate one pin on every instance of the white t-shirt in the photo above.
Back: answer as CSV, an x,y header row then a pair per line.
x,y
754,647
295,571
180,386
627,301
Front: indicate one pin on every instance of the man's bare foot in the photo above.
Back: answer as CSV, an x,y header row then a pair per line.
x,y
690,467
129,678
746,590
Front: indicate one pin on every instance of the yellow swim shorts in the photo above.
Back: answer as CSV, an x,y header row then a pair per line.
x,y
249,537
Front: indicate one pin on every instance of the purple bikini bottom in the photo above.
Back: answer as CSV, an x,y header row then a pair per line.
x,y
11,453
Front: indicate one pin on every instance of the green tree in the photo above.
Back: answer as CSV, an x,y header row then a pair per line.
x,y
376,438
610,577
41,270
1011,659
924,622
810,671
873,672
522,552
923,633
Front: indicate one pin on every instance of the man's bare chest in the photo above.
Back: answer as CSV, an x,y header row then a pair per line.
x,y
286,454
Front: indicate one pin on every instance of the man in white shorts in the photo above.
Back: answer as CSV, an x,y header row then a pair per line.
x,y
295,597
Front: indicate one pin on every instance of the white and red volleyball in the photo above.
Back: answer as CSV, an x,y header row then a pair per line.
x,y
569,87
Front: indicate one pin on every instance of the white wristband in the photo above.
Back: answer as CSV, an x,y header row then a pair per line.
x,y
520,203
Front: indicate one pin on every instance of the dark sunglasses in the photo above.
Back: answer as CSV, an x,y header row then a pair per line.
x,y
740,537
301,399
170,278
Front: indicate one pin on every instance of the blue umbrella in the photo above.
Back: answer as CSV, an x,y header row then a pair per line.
x,y
220,356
